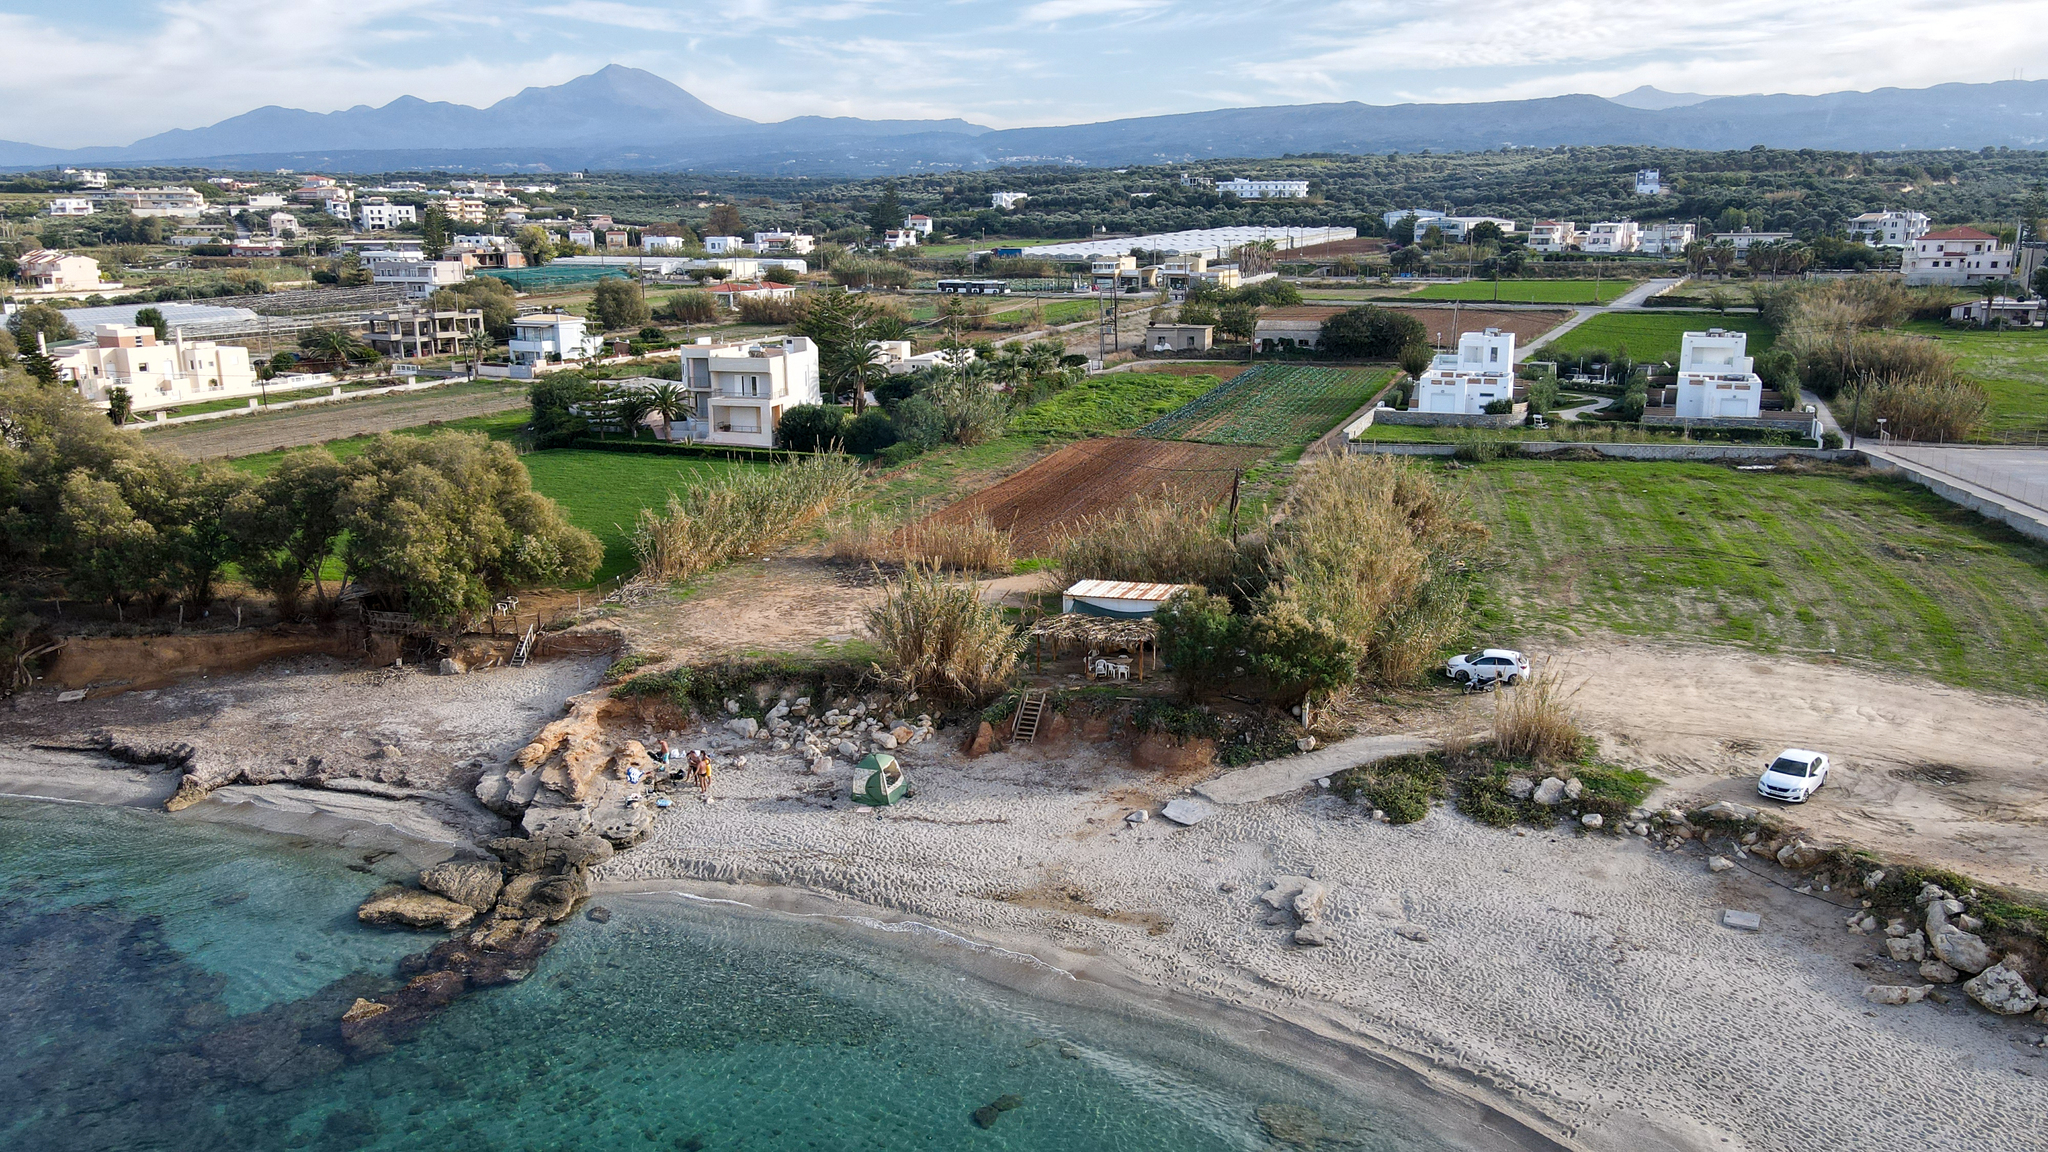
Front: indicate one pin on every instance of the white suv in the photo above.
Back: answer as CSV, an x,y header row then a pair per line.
x,y
1499,664
1794,776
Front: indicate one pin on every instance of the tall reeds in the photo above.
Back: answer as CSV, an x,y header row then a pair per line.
x,y
745,513
1162,539
937,635
1536,720
971,545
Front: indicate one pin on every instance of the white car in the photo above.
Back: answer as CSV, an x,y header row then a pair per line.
x,y
1502,664
1794,776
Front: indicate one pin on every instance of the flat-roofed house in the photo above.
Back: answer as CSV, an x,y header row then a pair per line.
x,y
1715,377
1480,372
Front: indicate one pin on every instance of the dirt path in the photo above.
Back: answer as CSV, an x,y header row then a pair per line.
x,y
1945,775
246,435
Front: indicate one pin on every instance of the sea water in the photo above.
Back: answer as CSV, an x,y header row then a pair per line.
x,y
170,985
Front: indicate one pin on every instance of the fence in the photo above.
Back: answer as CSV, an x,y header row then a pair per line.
x,y
2001,470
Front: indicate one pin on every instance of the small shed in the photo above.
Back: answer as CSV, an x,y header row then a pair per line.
x,y
1116,599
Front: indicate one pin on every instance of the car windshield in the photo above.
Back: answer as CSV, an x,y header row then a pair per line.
x,y
1473,657
1784,767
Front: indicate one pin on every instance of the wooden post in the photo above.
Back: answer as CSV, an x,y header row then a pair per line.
x,y
1235,478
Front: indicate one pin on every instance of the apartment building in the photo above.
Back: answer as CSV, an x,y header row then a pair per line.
x,y
1741,241
1265,189
418,277
70,206
375,214
724,245
464,209
86,177
155,375
1897,229
741,389
167,201
1957,256
1649,182
1554,236
1456,229
1663,239
1611,237
410,333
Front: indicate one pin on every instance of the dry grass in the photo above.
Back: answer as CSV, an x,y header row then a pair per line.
x,y
1163,539
1919,406
1536,720
742,514
937,635
970,545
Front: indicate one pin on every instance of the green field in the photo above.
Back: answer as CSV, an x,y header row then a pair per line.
x,y
1111,403
1273,404
1652,336
1871,568
2013,368
1528,291
603,492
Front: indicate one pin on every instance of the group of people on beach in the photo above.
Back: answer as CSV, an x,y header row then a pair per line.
x,y
696,768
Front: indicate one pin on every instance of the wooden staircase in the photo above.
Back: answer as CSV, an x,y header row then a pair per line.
x,y
525,649
1030,710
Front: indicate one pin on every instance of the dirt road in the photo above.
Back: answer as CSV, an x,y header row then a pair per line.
x,y
246,435
1944,775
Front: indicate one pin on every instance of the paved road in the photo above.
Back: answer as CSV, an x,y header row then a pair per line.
x,y
265,432
1272,778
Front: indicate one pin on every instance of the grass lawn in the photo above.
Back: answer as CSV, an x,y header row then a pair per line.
x,y
1111,403
603,492
1652,336
1529,291
1272,404
1875,569
2013,368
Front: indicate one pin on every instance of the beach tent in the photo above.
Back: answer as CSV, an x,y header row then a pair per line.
x,y
878,781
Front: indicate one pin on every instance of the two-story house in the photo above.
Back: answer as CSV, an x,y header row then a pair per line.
x,y
419,278
551,337
1957,256
1896,229
920,224
1553,236
795,243
1715,378
724,245
1612,237
1666,239
1479,373
375,214
741,390
49,270
410,333
155,375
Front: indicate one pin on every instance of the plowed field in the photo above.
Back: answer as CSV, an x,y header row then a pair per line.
x,y
1082,479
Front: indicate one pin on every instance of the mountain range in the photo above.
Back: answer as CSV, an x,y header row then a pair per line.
x,y
626,118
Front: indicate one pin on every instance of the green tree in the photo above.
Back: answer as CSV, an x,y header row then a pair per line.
x,y
441,526
1198,637
153,318
39,365
618,303
887,211
536,245
559,402
870,432
334,348
1300,656
1415,359
724,221
285,526
44,320
1372,333
1237,320
119,406
113,552
487,294
846,327
811,428
433,232
671,402
1484,232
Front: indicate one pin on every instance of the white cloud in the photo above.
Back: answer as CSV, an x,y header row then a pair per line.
x,y
1054,11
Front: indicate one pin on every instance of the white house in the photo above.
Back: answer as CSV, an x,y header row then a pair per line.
x,y
1666,239
1957,256
1612,236
1715,378
1479,373
793,242
375,213
1457,229
419,278
724,245
1897,229
259,201
1004,201
155,375
730,293
1422,217
165,201
49,270
2004,310
896,238
901,356
86,177
741,390
1741,241
70,206
284,224
549,337
1649,182
922,225
1265,189
1553,236
662,243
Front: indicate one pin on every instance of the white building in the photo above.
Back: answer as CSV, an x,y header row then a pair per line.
x,y
155,375
582,237
465,209
376,213
1554,236
1649,182
1479,373
901,356
1664,239
1004,201
724,245
166,201
1957,256
86,177
1612,237
897,238
1455,229
70,206
419,278
662,243
258,201
922,225
794,242
1422,218
48,270
741,390
1741,241
551,337
284,224
1715,378
1888,229
1265,189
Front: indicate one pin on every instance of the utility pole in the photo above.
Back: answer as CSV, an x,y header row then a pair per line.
x,y
1236,478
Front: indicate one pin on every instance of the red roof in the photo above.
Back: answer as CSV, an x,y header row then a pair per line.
x,y
1958,234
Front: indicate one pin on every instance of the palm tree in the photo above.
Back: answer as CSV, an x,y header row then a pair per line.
x,y
630,406
477,344
334,345
670,401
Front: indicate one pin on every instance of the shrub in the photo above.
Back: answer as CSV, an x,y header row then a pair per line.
x,y
1499,407
693,307
1613,791
870,432
971,545
811,427
899,453
1198,638
1918,406
937,635
739,515
1299,655
767,311
628,664
1478,445
1415,359
1402,788
1372,333
618,303
1536,720
554,399
1160,539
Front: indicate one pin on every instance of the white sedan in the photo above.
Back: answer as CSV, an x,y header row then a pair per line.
x,y
1494,664
1794,776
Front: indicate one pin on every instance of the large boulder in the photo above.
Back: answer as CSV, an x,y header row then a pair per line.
x,y
1800,856
471,882
2002,989
1963,951
1550,793
544,854
1299,895
980,741
412,908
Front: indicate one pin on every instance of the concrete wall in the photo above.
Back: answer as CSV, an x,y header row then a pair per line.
x,y
1739,452
1983,504
1415,419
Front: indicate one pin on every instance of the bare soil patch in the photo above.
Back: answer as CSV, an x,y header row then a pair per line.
x,y
1446,324
268,432
1082,479
791,604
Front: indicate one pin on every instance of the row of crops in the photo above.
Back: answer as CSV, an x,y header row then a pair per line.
x,y
1273,405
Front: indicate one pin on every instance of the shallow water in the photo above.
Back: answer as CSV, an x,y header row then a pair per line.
x,y
166,985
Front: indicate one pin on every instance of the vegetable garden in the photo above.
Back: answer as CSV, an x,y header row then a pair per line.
x,y
1273,405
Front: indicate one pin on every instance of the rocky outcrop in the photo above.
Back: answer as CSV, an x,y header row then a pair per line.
x,y
412,908
981,740
1296,898
471,882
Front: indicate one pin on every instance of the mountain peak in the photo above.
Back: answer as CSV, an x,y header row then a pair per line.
x,y
1656,99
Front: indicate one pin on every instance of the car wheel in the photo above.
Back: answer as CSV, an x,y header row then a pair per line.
x,y
1462,677
1514,680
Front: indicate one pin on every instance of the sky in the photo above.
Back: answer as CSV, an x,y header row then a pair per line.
x,y
113,71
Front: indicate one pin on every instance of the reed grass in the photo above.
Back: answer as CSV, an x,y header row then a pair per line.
x,y
740,515
1537,721
1159,539
937,636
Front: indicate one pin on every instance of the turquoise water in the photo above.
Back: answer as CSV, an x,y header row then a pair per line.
x,y
165,985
